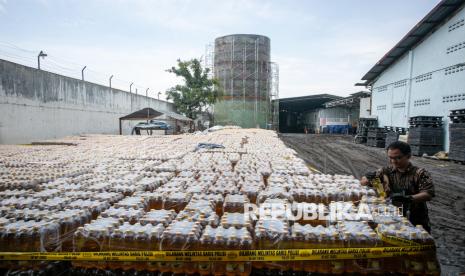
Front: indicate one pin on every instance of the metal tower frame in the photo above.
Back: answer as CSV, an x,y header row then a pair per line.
x,y
274,95
240,70
209,61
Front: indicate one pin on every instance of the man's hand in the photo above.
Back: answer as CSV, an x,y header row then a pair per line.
x,y
401,197
364,181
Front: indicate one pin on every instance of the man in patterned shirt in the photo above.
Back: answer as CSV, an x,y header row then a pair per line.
x,y
408,186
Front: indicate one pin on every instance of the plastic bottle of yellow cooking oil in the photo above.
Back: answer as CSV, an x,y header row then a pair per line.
x,y
115,244
24,244
154,237
142,240
8,243
191,267
141,243
178,243
166,241
431,263
337,266
362,240
103,240
324,267
297,242
79,239
424,236
129,245
129,240
416,263
206,243
22,240
260,234
154,245
232,243
348,241
92,242
375,265
36,238
219,243
246,243
311,241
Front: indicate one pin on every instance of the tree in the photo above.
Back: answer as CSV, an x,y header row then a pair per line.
x,y
198,91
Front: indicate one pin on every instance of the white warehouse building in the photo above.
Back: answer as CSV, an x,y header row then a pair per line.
x,y
423,74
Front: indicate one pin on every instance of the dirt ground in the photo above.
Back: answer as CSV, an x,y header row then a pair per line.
x,y
336,154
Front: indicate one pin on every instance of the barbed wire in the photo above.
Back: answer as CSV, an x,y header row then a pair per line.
x,y
68,68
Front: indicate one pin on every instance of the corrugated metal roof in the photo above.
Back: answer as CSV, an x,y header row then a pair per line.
x,y
300,104
352,100
143,114
309,97
434,18
177,116
150,113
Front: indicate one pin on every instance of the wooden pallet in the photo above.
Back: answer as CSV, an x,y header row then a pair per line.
x,y
425,124
458,118
425,118
457,112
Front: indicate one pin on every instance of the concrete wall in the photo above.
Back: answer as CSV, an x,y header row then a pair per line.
x,y
340,115
425,81
36,105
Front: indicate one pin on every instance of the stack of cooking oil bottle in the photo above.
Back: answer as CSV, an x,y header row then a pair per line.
x,y
117,193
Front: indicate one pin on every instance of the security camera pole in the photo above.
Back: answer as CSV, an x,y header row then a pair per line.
x,y
82,72
41,54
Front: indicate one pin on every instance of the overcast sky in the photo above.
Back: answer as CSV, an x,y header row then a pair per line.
x,y
320,46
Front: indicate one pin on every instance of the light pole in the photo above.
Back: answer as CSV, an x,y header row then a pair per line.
x,y
41,54
130,87
110,81
82,72
147,92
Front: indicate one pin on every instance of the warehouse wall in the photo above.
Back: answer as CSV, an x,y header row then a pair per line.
x,y
365,107
424,81
312,120
35,105
318,118
340,115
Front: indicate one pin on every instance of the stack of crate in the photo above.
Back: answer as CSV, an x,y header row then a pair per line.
x,y
426,135
376,137
392,134
362,130
457,135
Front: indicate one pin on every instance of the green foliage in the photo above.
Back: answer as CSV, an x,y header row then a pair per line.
x,y
197,92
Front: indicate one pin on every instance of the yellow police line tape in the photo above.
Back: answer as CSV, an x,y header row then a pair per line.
x,y
222,255
396,240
